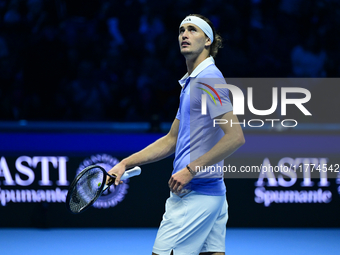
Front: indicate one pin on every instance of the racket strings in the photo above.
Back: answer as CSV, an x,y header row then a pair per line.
x,y
86,189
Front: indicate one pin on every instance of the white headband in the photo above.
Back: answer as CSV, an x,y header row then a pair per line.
x,y
202,24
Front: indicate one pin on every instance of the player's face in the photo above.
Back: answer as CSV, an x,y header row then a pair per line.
x,y
192,39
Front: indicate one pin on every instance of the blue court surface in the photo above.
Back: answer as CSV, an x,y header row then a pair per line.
x,y
140,241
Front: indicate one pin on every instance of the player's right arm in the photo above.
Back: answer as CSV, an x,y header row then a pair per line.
x,y
161,148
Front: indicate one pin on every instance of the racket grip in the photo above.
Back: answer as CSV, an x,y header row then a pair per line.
x,y
130,173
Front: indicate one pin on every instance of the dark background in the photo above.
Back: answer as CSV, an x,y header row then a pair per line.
x,y
106,60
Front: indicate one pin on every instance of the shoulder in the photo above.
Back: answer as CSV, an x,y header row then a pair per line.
x,y
210,71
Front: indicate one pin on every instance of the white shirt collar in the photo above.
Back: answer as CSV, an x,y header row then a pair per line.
x,y
204,64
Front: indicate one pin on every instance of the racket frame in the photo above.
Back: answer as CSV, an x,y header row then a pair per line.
x,y
99,190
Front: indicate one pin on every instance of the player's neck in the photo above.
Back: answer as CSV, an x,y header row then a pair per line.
x,y
192,63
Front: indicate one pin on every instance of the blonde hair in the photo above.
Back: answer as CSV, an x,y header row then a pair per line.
x,y
217,43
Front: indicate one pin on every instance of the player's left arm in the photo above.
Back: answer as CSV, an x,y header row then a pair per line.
x,y
233,139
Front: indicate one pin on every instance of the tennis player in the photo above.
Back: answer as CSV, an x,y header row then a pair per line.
x,y
196,214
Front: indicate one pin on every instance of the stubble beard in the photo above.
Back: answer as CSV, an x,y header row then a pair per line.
x,y
188,54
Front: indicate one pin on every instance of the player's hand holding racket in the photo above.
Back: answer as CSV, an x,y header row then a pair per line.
x,y
90,183
117,171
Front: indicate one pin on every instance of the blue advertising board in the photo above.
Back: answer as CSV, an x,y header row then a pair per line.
x,y
37,167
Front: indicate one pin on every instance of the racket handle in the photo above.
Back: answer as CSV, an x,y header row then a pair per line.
x,y
130,173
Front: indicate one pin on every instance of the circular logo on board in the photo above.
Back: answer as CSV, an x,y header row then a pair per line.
x,y
113,195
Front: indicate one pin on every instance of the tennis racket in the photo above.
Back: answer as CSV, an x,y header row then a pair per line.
x,y
88,186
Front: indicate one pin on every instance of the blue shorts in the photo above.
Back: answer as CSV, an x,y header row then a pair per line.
x,y
192,224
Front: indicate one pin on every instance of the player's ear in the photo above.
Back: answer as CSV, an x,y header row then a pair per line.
x,y
207,42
